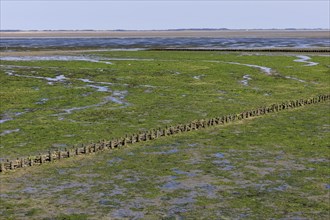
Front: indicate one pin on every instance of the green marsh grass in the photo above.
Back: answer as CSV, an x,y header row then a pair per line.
x,y
160,92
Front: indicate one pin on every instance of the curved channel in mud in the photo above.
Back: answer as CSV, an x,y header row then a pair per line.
x,y
304,59
54,58
268,71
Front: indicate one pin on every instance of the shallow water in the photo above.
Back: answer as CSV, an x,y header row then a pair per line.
x,y
100,88
198,77
294,78
10,116
304,59
53,58
245,80
143,43
264,69
50,80
9,132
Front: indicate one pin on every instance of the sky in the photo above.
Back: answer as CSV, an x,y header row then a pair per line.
x,y
157,15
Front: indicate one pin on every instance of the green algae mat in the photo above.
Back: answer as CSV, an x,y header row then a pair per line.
x,y
275,166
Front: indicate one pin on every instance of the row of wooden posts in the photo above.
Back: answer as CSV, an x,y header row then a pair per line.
x,y
300,50
153,134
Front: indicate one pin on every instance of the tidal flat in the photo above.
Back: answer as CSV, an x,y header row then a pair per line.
x,y
275,166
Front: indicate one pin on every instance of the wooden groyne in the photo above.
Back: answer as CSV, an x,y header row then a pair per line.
x,y
154,134
294,50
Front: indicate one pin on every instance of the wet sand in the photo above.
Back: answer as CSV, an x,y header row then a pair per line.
x,y
169,34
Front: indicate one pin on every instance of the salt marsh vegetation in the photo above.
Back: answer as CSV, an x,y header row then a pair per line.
x,y
270,167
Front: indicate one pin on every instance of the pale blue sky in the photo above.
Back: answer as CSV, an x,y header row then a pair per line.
x,y
146,15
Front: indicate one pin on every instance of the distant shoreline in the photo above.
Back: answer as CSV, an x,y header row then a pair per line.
x,y
169,34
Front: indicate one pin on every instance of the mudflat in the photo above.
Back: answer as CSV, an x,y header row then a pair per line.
x,y
170,33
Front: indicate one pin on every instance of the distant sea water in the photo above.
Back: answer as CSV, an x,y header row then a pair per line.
x,y
147,43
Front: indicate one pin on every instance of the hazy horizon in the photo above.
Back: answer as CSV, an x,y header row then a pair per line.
x,y
177,29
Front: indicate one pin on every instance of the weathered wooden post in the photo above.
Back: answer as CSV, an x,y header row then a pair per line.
x,y
2,167
22,162
138,138
165,132
31,161
59,154
50,156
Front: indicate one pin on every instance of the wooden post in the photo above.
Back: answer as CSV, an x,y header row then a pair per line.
x,y
133,139
41,159
59,154
2,167
22,162
50,156
31,162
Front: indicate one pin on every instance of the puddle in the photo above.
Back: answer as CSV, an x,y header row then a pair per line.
x,y
30,190
86,80
114,161
172,151
198,77
42,101
117,100
127,214
219,155
105,202
182,201
71,110
327,186
246,79
100,88
118,97
223,164
280,188
70,185
264,69
173,185
50,80
209,190
9,132
293,78
304,59
177,171
117,191
94,82
9,117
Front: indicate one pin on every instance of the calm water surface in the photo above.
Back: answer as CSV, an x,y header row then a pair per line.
x,y
146,43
